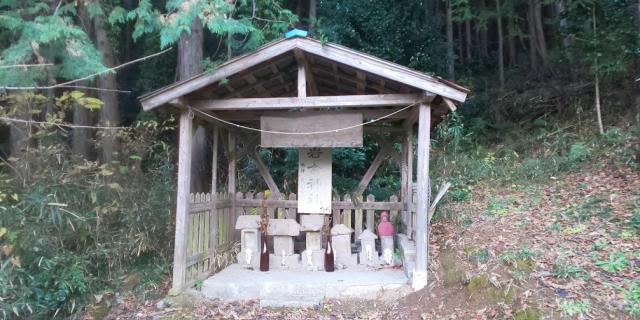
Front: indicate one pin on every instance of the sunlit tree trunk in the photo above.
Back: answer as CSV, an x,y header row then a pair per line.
x,y
109,113
500,43
190,54
597,78
450,57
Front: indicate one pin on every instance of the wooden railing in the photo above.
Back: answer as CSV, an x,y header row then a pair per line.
x,y
211,222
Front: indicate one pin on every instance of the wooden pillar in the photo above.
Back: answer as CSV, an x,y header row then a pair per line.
x,y
183,198
213,217
406,180
419,280
232,179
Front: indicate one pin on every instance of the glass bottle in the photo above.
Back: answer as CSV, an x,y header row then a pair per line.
x,y
264,257
329,258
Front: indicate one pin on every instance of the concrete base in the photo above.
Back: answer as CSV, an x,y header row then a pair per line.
x,y
295,288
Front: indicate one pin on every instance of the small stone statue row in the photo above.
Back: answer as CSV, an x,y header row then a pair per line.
x,y
313,257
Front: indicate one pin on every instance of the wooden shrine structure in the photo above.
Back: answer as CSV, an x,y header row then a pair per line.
x,y
301,85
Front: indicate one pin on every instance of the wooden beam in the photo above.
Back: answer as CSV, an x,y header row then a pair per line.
x,y
352,101
381,68
213,218
362,81
377,161
308,75
182,199
251,79
302,81
419,280
254,115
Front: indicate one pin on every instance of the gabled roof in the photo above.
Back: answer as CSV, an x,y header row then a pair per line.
x,y
345,61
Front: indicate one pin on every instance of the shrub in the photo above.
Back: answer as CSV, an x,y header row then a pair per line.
x,y
71,227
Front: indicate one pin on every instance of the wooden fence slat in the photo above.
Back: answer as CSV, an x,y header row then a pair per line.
x,y
358,222
370,214
336,212
393,213
280,210
346,213
293,212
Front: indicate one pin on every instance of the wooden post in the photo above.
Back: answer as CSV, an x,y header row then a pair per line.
x,y
232,179
183,199
419,280
213,219
408,141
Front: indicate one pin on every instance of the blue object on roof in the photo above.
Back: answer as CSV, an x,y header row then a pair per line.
x,y
295,33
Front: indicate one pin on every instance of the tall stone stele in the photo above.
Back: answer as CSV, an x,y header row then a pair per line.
x,y
312,257
283,231
249,255
341,240
368,254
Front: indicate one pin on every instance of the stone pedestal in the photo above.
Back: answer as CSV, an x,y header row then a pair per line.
x,y
249,255
368,254
312,225
283,244
387,247
341,240
312,260
283,231
291,262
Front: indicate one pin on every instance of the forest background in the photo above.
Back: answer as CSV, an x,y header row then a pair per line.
x,y
83,210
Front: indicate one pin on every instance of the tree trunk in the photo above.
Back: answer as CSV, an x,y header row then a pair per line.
x,y
467,25
533,58
636,76
484,38
511,41
450,57
109,113
597,78
190,53
80,143
500,43
313,7
460,44
542,43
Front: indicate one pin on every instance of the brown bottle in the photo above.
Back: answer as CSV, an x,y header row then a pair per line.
x,y
328,258
264,257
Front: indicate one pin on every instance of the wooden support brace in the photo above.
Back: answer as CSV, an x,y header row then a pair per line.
x,y
303,66
264,172
377,161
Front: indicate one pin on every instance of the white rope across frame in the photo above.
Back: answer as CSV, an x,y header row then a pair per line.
x,y
192,110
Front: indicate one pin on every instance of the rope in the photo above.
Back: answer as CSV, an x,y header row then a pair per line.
x,y
191,114
191,110
66,125
91,75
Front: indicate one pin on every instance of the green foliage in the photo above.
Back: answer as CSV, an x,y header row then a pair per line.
x,y
575,307
617,262
632,296
245,25
70,227
34,34
563,268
